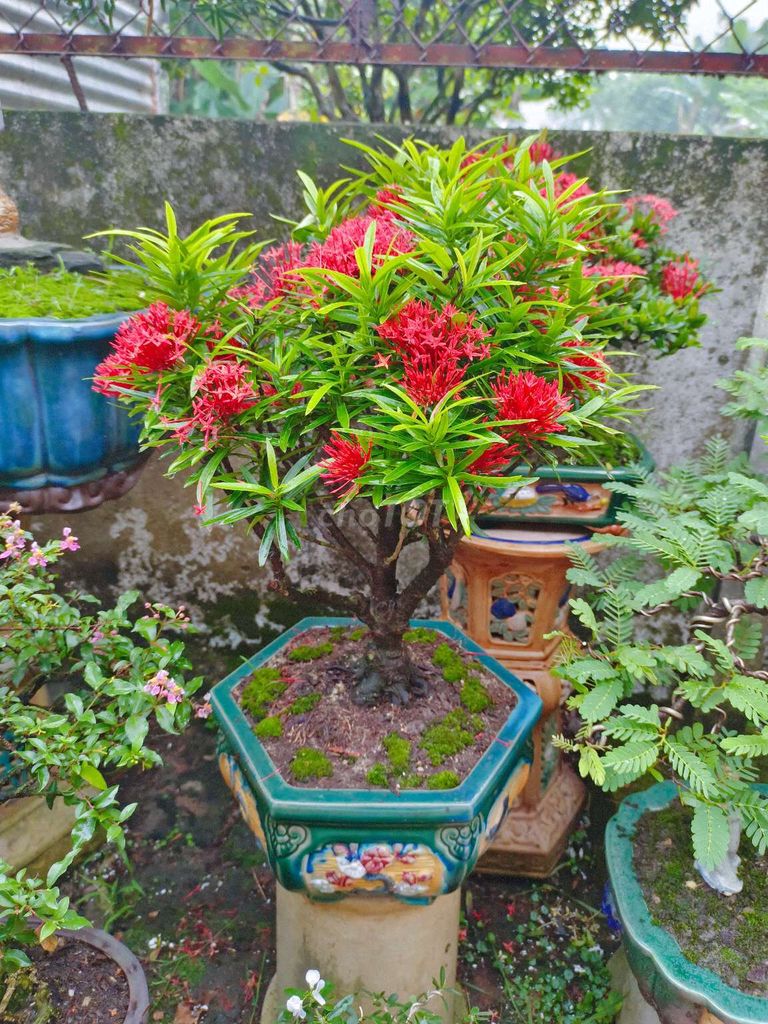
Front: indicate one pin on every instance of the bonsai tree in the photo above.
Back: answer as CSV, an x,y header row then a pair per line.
x,y
705,525
117,674
428,325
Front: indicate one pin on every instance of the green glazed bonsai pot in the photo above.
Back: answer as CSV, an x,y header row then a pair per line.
x,y
415,845
565,495
681,992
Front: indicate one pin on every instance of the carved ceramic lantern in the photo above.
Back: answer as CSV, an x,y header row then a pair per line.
x,y
507,589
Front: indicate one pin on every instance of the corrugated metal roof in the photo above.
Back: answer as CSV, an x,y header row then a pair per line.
x,y
42,83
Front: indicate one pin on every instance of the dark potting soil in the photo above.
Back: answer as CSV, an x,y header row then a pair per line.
x,y
83,985
727,935
432,742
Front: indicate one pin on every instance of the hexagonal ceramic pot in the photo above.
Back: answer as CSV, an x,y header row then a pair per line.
x,y
415,845
681,992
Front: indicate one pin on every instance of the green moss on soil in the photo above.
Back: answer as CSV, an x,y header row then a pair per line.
x,y
378,776
449,736
303,705
451,662
474,696
270,728
420,635
308,763
264,687
727,935
27,292
398,750
310,652
443,780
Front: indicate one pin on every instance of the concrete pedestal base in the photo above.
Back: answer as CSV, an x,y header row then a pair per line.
x,y
32,835
374,944
635,1009
533,837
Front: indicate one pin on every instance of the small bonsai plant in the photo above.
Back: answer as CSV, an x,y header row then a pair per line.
x,y
117,674
428,325
705,525
654,288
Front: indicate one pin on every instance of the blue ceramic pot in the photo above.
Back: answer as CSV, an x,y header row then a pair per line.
x,y
64,447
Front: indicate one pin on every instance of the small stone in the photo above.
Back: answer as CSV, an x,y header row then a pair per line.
x,y
690,884
758,975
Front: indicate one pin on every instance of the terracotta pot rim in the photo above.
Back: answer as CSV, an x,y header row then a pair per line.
x,y
138,991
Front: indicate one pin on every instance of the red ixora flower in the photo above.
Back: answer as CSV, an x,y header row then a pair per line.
x,y
344,463
563,181
273,276
385,198
150,341
223,391
436,345
661,210
680,278
614,270
540,150
593,369
337,252
525,396
498,456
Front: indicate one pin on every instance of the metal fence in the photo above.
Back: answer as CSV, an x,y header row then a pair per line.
x,y
688,36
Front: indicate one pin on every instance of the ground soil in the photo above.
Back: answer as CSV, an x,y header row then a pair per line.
x,y
351,735
727,935
84,985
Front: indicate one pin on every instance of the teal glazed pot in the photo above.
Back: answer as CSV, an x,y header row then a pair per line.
x,y
64,447
414,845
681,992
564,495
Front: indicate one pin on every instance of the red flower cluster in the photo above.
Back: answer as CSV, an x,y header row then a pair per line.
x,y
525,396
540,151
680,278
660,209
614,271
436,345
495,458
593,369
389,196
151,341
344,463
564,180
223,391
337,252
274,276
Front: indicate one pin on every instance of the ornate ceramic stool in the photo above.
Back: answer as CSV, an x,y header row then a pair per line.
x,y
507,589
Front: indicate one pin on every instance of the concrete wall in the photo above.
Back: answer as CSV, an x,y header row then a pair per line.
x,y
72,174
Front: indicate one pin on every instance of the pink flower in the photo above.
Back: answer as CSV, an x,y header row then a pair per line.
x,y
203,710
164,687
274,276
15,541
69,543
564,181
344,464
223,391
525,396
614,270
36,556
541,150
375,859
199,510
390,197
681,278
661,210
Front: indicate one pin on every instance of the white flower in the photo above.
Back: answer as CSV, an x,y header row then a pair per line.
x,y
295,1006
408,889
316,985
322,885
351,868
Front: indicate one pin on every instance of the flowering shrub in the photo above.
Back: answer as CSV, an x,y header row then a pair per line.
x,y
654,289
117,674
428,326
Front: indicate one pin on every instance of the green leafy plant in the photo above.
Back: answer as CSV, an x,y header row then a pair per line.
x,y
428,324
116,673
704,528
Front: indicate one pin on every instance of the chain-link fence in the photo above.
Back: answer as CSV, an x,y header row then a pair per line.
x,y
690,36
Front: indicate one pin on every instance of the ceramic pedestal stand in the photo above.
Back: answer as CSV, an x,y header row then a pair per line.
x,y
369,881
507,589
